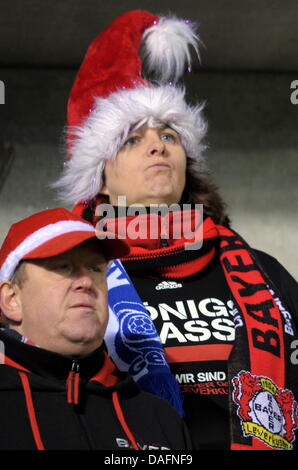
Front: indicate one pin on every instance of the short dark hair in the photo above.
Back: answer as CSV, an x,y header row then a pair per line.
x,y
19,275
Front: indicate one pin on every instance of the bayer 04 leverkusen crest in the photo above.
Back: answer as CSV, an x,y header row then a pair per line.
x,y
267,412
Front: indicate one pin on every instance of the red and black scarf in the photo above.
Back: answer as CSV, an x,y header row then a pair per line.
x,y
262,378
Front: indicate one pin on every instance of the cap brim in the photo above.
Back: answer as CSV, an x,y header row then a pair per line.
x,y
111,248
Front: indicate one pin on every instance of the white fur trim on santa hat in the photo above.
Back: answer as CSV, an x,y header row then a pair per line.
x,y
36,239
104,132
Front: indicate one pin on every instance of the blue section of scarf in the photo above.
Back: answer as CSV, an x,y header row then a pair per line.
x,y
133,342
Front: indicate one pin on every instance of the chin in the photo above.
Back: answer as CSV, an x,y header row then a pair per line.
x,y
162,194
80,348
82,340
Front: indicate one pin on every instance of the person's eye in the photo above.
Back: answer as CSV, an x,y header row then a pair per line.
x,y
131,141
168,137
96,269
61,266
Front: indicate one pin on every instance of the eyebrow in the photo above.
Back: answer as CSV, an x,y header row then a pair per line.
x,y
133,129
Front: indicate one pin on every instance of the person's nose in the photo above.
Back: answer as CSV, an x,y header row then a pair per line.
x,y
82,280
156,147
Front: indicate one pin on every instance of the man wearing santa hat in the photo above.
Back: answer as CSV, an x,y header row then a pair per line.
x,y
59,389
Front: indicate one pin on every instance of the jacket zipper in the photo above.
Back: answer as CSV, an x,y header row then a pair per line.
x,y
73,384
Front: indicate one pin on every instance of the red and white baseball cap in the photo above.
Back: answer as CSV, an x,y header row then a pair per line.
x,y
50,233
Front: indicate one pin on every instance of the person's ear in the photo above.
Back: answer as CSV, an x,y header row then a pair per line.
x,y
10,302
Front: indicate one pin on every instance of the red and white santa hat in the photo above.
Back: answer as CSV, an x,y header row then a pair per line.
x,y
50,233
110,98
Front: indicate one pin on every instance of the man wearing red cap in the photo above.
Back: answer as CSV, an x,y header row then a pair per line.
x,y
58,387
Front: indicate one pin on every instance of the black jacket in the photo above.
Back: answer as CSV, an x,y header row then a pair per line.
x,y
55,402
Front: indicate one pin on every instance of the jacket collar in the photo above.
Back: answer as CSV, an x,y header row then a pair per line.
x,y
48,363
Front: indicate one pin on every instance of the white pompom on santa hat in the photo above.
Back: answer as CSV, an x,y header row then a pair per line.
x,y
110,97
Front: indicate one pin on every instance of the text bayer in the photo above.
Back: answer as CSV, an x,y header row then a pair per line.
x,y
170,459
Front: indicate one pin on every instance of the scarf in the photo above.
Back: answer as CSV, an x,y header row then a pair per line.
x,y
133,342
263,386
262,379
